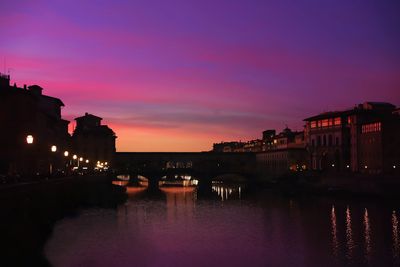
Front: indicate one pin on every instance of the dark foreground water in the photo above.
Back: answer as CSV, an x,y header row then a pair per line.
x,y
232,226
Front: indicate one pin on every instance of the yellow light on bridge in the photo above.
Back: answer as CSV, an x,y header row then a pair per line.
x,y
66,153
53,148
74,156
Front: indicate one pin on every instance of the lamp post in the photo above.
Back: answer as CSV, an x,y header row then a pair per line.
x,y
66,154
75,157
28,168
53,150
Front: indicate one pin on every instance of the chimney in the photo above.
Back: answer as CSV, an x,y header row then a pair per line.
x,y
24,86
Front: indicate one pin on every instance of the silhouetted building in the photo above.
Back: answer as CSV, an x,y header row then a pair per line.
x,y
92,140
228,147
284,153
31,124
363,139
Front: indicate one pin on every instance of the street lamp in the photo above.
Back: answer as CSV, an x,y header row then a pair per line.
x,y
53,150
66,153
74,156
29,139
80,159
87,161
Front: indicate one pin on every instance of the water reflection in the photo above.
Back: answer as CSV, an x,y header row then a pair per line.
x,y
173,227
228,191
367,237
395,236
335,243
349,236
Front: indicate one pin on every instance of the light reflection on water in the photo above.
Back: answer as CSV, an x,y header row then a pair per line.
x,y
226,192
367,237
335,242
179,228
349,236
395,236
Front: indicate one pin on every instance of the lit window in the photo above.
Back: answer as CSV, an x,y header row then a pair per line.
x,y
338,121
313,124
325,123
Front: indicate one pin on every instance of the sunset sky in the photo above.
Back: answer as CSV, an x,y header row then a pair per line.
x,y
179,75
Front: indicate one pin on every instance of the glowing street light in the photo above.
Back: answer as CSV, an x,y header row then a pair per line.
x,y
29,139
53,148
74,156
87,161
80,159
66,153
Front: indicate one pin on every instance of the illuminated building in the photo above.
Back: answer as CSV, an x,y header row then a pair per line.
x,y
284,153
363,139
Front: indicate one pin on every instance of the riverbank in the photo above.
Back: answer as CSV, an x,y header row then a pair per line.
x,y
29,211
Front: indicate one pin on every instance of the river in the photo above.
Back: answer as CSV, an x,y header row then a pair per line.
x,y
232,225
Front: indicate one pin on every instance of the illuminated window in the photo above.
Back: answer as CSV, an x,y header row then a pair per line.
x,y
313,124
338,121
325,123
372,127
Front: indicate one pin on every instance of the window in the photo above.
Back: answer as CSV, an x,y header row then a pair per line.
x,y
372,127
324,140
330,139
313,142
325,123
338,121
318,140
313,124
337,141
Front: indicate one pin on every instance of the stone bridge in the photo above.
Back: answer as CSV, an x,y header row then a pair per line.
x,y
205,166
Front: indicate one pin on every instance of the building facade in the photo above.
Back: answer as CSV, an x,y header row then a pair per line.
x,y
284,153
364,139
31,126
92,140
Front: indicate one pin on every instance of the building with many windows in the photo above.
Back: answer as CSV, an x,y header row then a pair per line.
x,y
362,139
285,154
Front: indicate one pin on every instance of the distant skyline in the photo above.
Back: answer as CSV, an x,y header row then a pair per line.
x,y
181,75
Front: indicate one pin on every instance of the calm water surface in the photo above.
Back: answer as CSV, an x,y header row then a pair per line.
x,y
230,227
